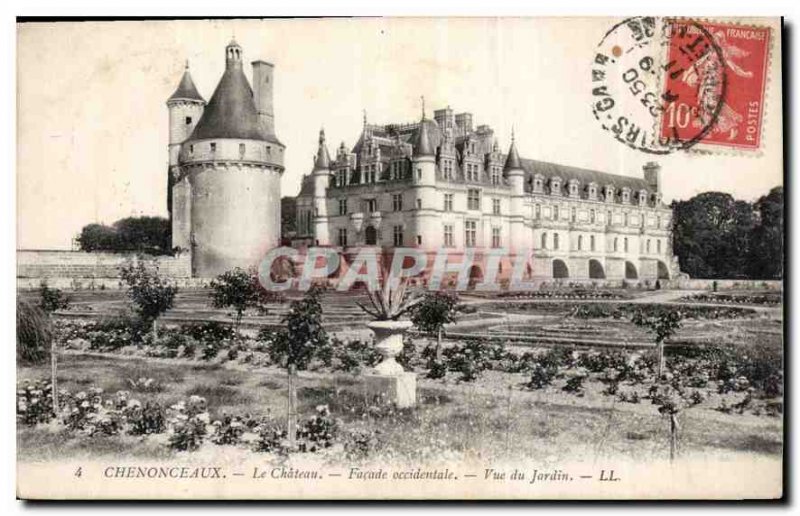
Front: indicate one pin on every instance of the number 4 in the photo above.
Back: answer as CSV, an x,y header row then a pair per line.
x,y
79,472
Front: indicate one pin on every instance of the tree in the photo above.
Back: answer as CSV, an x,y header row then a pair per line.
x,y
151,293
150,235
240,289
434,311
712,235
766,259
295,345
662,325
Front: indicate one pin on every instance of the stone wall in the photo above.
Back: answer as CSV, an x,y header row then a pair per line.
x,y
81,270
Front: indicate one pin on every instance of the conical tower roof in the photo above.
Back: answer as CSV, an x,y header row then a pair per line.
x,y
231,112
323,161
186,89
512,160
422,140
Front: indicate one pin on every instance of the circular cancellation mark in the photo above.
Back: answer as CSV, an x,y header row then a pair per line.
x,y
658,84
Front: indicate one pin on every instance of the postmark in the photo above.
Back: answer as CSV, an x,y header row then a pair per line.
x,y
632,70
740,61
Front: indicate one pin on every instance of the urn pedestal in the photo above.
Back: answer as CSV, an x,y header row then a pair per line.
x,y
388,380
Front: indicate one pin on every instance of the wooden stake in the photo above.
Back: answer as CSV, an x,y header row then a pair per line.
x,y
292,419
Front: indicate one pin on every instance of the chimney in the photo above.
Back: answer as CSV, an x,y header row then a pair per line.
x,y
652,173
262,95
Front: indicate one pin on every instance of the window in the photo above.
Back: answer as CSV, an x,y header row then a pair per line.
x,y
608,217
473,199
191,149
397,233
343,237
658,246
341,177
419,174
616,242
448,235
544,240
447,168
592,216
538,211
342,206
625,219
580,243
555,212
495,175
555,241
419,239
269,150
591,242
188,120
625,244
573,215
213,147
397,202
495,237
448,202
470,233
372,205
241,150
658,222
419,204
496,206
648,246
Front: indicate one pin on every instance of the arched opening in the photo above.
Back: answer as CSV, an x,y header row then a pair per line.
x,y
560,269
475,275
630,271
596,270
371,236
663,271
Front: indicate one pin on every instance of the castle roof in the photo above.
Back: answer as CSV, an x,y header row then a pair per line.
x,y
231,112
512,160
323,161
186,89
584,176
422,141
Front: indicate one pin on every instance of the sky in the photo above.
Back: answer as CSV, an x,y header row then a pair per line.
x,y
92,119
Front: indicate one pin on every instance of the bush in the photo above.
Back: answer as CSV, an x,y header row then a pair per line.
x,y
52,299
188,422
35,402
34,334
541,376
318,432
146,419
228,430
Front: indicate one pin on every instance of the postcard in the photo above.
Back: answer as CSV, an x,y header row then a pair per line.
x,y
400,259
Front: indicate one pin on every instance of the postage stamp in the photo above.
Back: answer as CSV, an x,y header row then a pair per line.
x,y
726,85
661,85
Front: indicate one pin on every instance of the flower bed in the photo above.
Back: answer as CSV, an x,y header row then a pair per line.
x,y
767,299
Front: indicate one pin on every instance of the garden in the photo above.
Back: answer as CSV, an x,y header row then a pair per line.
x,y
125,382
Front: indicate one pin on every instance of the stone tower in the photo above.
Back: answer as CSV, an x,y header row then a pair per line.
x,y
225,186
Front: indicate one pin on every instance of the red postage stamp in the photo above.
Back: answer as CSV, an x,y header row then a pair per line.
x,y
722,91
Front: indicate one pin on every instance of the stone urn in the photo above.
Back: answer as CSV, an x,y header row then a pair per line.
x,y
389,343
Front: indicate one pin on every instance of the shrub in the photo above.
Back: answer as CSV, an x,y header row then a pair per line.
x,y
240,290
188,422
52,299
228,430
360,444
146,419
296,344
317,432
408,357
35,402
541,376
34,334
151,294
575,382
352,355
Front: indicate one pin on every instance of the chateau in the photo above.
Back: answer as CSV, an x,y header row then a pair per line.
x,y
443,183
225,167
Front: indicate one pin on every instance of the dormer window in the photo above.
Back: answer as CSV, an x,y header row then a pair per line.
x,y
191,149
573,188
555,186
609,193
213,147
593,192
642,197
241,150
538,184
626,195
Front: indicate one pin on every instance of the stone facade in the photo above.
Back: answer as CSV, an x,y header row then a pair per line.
x,y
443,184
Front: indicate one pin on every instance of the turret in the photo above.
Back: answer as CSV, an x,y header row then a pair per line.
x,y
321,174
424,193
185,107
513,169
262,95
